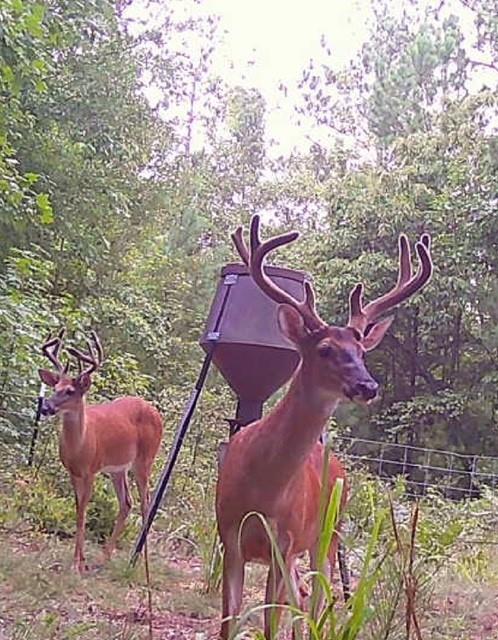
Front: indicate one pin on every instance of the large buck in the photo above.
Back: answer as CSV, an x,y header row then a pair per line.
x,y
274,467
112,438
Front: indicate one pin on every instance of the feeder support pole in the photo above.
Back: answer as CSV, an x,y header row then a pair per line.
x,y
162,485
173,455
34,436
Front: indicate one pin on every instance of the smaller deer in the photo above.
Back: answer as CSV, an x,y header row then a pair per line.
x,y
112,438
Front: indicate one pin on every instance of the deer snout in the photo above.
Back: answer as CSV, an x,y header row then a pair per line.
x,y
48,409
365,390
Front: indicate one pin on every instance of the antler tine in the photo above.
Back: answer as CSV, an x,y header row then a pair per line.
x,y
240,244
98,347
55,344
254,235
355,305
399,293
405,260
425,239
256,259
62,333
93,362
407,285
81,357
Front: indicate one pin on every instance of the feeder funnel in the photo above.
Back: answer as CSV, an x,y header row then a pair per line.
x,y
251,353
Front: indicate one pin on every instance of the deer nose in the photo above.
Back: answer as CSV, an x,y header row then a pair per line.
x,y
366,390
47,409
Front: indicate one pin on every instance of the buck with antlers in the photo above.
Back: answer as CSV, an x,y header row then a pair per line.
x,y
274,466
112,437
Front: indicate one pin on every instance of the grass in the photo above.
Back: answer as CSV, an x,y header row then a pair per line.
x,y
41,599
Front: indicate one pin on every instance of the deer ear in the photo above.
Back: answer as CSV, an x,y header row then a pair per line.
x,y
48,377
84,382
291,323
376,334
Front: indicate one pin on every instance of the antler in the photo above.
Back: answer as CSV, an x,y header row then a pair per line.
x,y
408,284
89,358
255,259
51,350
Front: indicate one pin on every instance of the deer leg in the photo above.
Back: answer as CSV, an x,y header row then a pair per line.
x,y
276,594
316,600
120,482
300,588
142,474
276,588
82,492
233,585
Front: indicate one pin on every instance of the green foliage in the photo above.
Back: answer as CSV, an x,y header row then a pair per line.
x,y
44,502
121,222
444,546
208,547
43,507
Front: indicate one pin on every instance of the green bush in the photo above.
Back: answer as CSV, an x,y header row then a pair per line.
x,y
46,504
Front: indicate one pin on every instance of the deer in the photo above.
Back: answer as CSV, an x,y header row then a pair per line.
x,y
112,438
273,467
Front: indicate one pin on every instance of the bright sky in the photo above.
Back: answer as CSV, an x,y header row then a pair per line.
x,y
272,41
263,43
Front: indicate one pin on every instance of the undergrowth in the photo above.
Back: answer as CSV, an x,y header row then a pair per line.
x,y
399,568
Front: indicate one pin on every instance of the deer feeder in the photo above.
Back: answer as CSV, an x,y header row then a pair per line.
x,y
251,353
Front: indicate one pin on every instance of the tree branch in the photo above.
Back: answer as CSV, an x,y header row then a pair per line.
x,y
434,384
481,63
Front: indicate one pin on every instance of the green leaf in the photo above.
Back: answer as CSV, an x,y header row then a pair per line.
x,y
34,21
8,75
45,208
39,65
31,178
40,86
17,6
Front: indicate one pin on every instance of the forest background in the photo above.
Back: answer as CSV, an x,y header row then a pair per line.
x,y
125,163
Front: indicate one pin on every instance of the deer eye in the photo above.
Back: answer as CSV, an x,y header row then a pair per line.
x,y
69,392
346,357
325,352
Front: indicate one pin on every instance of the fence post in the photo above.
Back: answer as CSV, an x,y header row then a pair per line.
x,y
381,460
426,465
473,468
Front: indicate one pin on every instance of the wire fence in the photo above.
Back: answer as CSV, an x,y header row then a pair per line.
x,y
455,475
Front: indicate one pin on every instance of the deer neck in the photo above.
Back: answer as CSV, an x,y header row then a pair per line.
x,y
292,429
74,427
